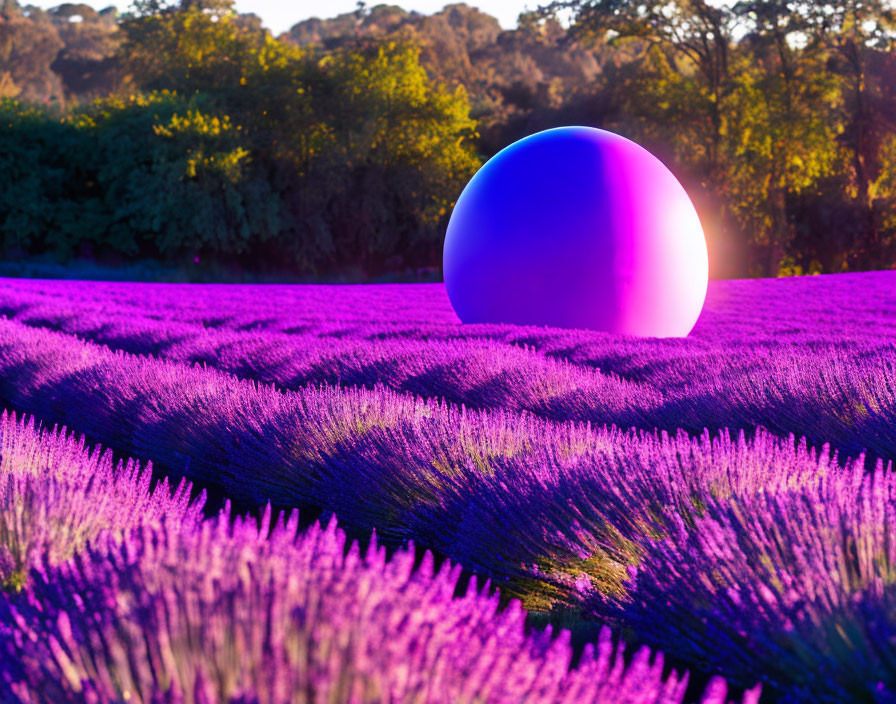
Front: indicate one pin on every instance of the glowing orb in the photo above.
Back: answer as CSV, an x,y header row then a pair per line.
x,y
577,227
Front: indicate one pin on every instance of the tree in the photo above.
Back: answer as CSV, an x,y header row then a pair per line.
x,y
190,48
674,93
48,201
782,142
176,177
27,51
9,9
148,8
851,30
365,153
397,154
693,30
87,61
8,88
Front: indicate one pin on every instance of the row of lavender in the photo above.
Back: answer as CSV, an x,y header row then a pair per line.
x,y
848,306
131,597
759,558
831,377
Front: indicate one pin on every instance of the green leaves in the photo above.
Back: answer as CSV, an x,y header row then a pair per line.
x,y
774,114
248,151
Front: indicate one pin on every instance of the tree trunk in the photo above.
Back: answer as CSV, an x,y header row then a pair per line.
x,y
866,240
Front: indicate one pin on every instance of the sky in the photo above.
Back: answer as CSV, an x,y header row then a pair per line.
x,y
280,15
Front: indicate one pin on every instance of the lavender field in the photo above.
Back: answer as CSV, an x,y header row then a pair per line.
x,y
270,494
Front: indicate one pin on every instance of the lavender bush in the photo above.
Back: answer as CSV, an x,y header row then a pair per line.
x,y
727,498
761,350
56,494
798,586
237,612
532,504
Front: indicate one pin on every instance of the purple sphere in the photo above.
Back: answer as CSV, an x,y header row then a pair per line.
x,y
577,227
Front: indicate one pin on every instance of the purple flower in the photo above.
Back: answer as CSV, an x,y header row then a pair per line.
x,y
56,495
233,611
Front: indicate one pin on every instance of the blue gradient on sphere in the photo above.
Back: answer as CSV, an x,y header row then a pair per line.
x,y
576,227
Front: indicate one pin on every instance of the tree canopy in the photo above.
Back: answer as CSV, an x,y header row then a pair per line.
x,y
769,112
236,146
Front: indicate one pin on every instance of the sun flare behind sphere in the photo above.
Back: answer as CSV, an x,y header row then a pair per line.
x,y
577,227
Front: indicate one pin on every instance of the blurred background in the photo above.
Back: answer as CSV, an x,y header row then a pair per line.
x,y
191,141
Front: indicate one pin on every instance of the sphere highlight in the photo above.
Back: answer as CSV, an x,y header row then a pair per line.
x,y
577,227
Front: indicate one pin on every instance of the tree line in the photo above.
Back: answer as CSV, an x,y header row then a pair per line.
x,y
344,143
234,147
779,115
